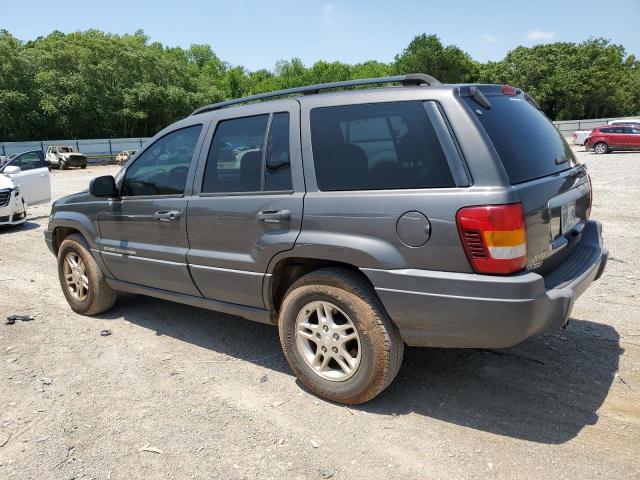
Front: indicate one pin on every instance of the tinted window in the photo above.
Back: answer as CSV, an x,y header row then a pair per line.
x,y
28,161
234,163
235,160
605,130
163,167
278,164
527,142
377,146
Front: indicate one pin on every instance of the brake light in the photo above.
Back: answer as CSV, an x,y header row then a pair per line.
x,y
509,90
494,237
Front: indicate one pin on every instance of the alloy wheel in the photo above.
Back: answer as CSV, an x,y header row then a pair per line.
x,y
328,341
75,275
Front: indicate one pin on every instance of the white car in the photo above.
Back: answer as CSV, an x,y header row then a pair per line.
x,y
24,179
580,136
628,121
65,156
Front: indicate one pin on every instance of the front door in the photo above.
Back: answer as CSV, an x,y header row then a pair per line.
x,y
247,203
33,179
144,234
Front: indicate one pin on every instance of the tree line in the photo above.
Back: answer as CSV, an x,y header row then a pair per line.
x,y
93,84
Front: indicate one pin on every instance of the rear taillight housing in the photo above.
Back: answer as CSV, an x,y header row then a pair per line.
x,y
494,237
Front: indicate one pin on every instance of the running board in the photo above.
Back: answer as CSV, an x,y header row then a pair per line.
x,y
250,313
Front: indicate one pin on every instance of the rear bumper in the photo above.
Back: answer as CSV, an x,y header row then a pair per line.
x,y
443,309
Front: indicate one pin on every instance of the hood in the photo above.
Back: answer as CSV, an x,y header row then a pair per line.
x,y
71,154
6,182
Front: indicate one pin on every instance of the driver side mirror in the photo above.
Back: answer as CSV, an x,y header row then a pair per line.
x,y
104,186
11,170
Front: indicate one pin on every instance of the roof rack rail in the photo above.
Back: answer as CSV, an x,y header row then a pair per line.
x,y
409,79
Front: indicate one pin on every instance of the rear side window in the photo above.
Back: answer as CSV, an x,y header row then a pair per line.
x,y
528,144
377,146
242,160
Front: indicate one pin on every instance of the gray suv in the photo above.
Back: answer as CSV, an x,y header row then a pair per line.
x,y
356,220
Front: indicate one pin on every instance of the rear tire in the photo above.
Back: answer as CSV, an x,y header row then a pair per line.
x,y
336,304
601,148
82,282
83,166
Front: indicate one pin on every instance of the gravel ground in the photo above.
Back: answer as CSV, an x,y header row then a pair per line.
x,y
179,392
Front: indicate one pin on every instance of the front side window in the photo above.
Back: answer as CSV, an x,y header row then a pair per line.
x,y
28,161
162,168
377,146
242,160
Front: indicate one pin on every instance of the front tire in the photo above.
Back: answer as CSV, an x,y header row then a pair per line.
x,y
600,148
83,166
337,337
82,282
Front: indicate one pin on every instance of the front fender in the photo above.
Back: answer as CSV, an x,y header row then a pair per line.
x,y
78,221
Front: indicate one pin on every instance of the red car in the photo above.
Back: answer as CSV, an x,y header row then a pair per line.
x,y
614,137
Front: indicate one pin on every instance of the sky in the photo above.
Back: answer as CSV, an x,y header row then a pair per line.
x,y
256,34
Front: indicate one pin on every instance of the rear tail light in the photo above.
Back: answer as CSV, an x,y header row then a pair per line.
x,y
494,237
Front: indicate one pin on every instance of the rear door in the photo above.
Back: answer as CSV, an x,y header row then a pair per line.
x,y
540,165
144,234
33,179
247,203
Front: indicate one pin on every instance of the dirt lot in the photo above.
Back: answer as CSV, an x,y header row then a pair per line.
x,y
179,392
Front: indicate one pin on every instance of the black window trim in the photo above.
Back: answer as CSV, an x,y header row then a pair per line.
x,y
147,147
263,168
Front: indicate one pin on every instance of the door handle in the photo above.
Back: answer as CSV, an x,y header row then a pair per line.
x,y
168,215
274,216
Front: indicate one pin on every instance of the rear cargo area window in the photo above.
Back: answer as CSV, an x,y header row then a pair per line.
x,y
377,146
528,144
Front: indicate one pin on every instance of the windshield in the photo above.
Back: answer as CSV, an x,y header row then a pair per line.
x,y
528,144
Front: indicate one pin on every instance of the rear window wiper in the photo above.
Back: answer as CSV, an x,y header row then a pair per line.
x,y
478,97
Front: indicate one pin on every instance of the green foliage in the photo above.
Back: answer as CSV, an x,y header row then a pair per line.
x,y
426,54
93,84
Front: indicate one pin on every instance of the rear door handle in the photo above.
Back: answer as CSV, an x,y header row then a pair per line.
x,y
274,216
168,215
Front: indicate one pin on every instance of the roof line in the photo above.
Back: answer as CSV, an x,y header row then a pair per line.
x,y
409,79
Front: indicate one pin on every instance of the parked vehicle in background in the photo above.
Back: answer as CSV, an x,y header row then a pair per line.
x,y
615,137
627,121
124,156
580,137
65,156
357,221
3,159
24,180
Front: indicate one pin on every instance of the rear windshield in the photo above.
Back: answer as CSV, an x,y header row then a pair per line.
x,y
528,144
